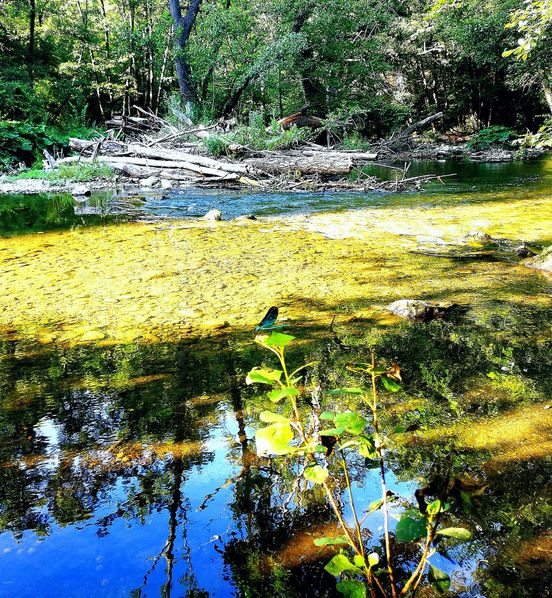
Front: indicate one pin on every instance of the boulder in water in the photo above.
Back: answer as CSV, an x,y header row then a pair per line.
x,y
151,181
420,311
80,192
213,215
524,251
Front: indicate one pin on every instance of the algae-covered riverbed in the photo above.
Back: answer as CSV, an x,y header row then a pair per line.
x,y
127,461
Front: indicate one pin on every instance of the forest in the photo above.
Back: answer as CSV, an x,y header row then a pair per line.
x,y
369,65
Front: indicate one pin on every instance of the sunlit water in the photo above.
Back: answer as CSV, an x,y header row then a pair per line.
x,y
130,470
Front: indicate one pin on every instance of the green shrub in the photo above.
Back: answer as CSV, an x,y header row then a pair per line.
x,y
256,136
354,141
24,142
497,135
541,139
216,145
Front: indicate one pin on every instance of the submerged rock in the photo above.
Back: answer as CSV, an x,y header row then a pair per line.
x,y
247,217
479,236
213,215
542,261
524,251
422,311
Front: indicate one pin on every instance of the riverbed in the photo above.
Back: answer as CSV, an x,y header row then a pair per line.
x,y
127,459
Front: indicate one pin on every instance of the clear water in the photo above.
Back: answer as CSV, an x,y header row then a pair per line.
x,y
129,470
473,182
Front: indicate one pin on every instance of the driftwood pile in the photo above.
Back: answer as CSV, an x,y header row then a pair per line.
x,y
156,151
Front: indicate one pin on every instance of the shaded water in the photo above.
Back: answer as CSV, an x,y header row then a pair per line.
x,y
130,469
110,464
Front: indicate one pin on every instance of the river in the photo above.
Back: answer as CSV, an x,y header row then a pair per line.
x,y
127,459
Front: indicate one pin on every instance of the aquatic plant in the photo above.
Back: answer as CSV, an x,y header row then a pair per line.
x,y
325,455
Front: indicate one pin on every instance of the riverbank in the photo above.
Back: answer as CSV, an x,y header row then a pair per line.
x,y
311,168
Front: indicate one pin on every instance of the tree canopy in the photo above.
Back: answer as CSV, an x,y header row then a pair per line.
x,y
379,64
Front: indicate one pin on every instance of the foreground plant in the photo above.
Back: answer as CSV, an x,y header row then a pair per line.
x,y
325,455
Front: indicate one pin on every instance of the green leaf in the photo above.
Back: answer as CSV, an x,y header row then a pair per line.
x,y
434,507
274,439
280,393
278,339
360,367
349,444
367,451
262,376
351,588
374,506
390,384
346,391
331,541
368,448
438,579
316,474
327,415
270,417
460,533
332,431
373,559
352,422
410,529
492,375
340,563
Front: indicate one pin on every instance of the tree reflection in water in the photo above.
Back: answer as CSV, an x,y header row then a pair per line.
x,y
134,466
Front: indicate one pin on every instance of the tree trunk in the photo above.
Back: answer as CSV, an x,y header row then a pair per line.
x,y
183,27
314,91
107,57
547,94
233,100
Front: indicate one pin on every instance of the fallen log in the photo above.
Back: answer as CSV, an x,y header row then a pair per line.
x,y
174,155
348,154
283,164
421,124
85,145
192,168
121,149
300,119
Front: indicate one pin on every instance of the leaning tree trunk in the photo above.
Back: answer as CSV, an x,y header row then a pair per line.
x,y
183,27
547,88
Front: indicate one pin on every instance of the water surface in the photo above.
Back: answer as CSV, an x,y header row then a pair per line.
x,y
129,468
472,183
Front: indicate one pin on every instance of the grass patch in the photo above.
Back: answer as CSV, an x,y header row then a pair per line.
x,y
76,172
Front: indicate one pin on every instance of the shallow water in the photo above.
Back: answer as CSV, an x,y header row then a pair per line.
x,y
471,183
127,467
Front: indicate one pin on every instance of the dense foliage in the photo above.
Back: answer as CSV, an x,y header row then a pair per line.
x,y
372,64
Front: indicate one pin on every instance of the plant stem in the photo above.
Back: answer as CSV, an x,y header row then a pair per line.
x,y
337,511
352,502
416,577
383,484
